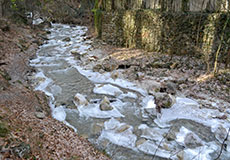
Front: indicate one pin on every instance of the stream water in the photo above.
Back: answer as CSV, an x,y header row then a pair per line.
x,y
131,129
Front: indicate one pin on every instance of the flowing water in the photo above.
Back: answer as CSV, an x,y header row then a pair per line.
x,y
129,130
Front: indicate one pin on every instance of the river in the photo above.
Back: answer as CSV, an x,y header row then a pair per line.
x,y
126,130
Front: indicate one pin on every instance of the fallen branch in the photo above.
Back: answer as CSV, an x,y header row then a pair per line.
x,y
161,142
222,145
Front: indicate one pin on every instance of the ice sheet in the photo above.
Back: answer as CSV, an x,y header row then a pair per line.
x,y
125,138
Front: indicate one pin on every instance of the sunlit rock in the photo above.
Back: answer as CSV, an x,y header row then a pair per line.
x,y
140,141
105,104
80,100
122,128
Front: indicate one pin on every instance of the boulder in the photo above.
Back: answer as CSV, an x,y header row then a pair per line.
x,y
163,100
169,87
220,133
105,105
109,64
192,141
80,100
97,68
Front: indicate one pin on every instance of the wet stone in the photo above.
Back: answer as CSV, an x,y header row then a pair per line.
x,y
105,105
79,99
67,39
163,100
220,133
191,141
140,141
122,128
96,129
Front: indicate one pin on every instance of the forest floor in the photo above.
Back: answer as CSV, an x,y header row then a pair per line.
x,y
27,129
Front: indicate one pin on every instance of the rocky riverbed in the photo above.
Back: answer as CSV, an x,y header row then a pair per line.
x,y
128,103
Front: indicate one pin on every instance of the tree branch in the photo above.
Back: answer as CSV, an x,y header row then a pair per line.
x,y
222,146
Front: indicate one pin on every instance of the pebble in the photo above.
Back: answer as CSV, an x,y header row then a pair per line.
x,y
40,115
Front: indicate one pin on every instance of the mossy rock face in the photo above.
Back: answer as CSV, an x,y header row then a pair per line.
x,y
3,130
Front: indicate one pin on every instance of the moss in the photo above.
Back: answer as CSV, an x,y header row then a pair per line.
x,y
5,75
3,130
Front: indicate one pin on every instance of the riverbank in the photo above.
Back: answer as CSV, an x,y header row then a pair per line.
x,y
27,129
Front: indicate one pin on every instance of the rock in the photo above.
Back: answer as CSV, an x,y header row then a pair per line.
x,y
220,133
152,112
170,88
182,80
114,75
76,54
48,32
96,128
171,136
79,99
3,130
160,65
180,155
163,100
122,128
40,115
22,151
191,141
67,39
154,87
45,24
39,42
140,141
109,64
4,25
105,105
97,68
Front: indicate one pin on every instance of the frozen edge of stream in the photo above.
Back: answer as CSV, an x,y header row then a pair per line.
x,y
182,108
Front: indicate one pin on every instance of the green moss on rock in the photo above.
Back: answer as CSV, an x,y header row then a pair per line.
x,y
3,130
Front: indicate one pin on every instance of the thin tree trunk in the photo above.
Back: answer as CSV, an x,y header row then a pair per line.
x,y
215,70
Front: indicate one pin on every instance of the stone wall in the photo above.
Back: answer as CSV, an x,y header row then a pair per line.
x,y
172,33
